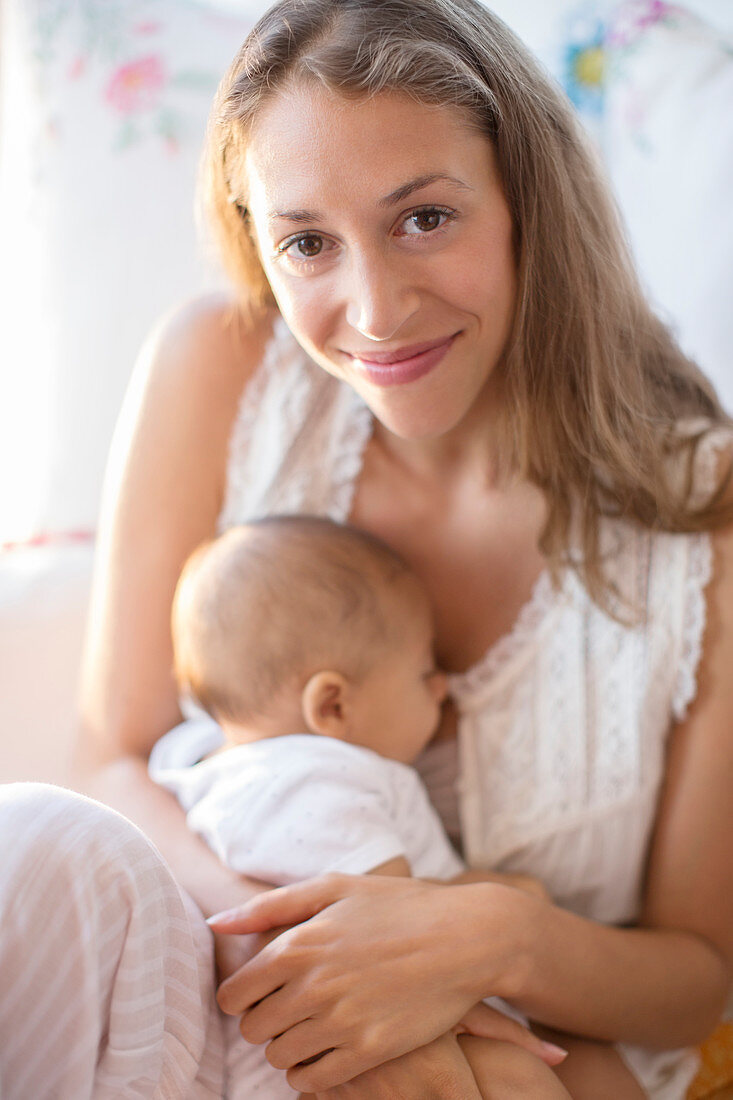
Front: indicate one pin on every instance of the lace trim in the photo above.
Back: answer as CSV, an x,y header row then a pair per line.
x,y
465,686
349,458
707,460
699,574
543,598
308,393
700,571
240,439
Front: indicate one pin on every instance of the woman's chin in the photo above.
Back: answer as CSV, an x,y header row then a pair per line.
x,y
413,425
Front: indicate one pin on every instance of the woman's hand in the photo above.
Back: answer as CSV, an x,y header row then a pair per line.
x,y
438,1071
380,967
233,952
441,1070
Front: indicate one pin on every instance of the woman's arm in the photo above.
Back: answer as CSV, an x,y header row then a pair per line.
x,y
666,983
163,492
425,953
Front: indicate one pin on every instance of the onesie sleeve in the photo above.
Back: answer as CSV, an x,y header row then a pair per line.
x,y
310,806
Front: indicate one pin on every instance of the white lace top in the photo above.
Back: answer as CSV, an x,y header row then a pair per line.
x,y
563,723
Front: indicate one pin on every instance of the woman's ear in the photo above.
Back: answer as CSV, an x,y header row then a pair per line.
x,y
325,704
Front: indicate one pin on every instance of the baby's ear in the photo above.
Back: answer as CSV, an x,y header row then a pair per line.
x,y
325,704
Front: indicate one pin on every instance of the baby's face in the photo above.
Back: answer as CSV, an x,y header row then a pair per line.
x,y
398,704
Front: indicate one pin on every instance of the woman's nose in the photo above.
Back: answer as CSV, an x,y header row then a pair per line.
x,y
381,297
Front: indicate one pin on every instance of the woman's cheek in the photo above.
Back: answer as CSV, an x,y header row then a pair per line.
x,y
305,308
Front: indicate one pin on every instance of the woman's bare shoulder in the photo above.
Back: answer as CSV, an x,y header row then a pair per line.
x,y
163,492
208,346
183,398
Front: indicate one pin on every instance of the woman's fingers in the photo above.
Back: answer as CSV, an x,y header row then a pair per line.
x,y
488,1023
238,994
232,952
284,906
332,1069
300,1047
275,1016
438,1071
253,982
289,959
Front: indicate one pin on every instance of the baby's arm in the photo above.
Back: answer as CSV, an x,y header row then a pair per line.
x,y
530,885
592,1071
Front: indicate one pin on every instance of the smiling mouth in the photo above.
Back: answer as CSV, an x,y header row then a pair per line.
x,y
406,364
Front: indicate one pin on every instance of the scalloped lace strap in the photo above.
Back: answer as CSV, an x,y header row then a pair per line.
x,y
694,618
699,574
707,462
298,440
356,426
240,441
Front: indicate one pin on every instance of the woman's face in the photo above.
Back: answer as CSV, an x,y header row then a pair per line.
x,y
386,238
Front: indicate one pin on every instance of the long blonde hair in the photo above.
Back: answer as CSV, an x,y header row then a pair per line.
x,y
595,385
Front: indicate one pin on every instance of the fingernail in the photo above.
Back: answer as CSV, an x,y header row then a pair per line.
x,y
556,1053
226,914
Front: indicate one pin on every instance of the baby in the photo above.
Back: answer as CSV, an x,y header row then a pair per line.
x,y
310,645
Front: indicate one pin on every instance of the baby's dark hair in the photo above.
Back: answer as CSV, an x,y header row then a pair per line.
x,y
261,608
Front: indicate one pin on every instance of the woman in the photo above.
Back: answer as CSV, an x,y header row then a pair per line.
x,y
478,380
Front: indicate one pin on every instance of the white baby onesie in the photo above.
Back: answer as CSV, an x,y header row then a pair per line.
x,y
287,808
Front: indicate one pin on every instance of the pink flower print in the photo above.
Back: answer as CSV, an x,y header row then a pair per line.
x,y
77,68
635,17
148,27
655,9
135,86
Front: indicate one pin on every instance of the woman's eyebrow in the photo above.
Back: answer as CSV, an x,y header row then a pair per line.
x,y
403,192
300,216
305,217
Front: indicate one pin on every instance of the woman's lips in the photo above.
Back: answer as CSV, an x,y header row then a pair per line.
x,y
393,368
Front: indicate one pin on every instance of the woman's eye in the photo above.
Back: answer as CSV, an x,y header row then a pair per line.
x,y
425,220
307,246
298,251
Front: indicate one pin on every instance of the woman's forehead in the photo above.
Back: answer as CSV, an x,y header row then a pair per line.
x,y
309,140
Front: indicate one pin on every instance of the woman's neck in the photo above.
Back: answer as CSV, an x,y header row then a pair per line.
x,y
467,452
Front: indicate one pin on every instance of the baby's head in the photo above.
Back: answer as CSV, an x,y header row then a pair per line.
x,y
296,624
